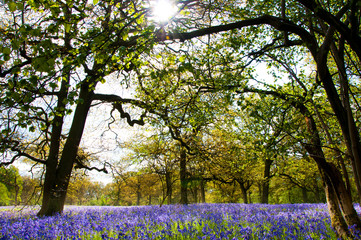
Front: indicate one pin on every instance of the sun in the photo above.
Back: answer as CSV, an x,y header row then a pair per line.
x,y
163,10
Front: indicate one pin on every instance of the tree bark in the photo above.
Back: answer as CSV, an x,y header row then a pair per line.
x,y
183,176
139,196
203,191
17,189
344,116
52,160
355,147
57,179
195,194
169,186
304,195
266,181
337,220
244,192
332,174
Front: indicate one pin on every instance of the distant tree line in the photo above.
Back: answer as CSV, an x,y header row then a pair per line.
x,y
147,186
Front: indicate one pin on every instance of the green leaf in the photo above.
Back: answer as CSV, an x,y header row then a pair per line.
x,y
53,85
15,44
20,6
67,27
32,129
6,50
6,57
12,6
102,80
182,58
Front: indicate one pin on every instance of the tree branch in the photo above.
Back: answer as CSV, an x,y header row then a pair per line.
x,y
20,153
353,39
117,102
275,22
81,165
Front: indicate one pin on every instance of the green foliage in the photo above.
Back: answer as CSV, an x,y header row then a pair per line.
x,y
31,191
11,186
38,60
4,195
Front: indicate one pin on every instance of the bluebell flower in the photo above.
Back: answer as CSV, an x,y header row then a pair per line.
x,y
198,221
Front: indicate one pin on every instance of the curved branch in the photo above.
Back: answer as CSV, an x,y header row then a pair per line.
x,y
275,22
294,181
127,116
21,154
81,165
117,102
14,145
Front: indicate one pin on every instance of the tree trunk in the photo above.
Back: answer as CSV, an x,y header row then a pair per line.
x,y
337,220
337,153
289,196
203,191
183,176
195,194
354,147
317,193
304,195
169,186
344,198
139,196
52,160
118,194
332,174
266,181
244,192
343,114
57,176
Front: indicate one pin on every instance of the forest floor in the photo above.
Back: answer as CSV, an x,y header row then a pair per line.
x,y
195,221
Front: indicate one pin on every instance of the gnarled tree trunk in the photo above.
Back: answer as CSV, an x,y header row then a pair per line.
x,y
337,220
334,184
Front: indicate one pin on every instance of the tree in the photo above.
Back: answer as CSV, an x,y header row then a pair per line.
x,y
231,163
31,192
11,185
300,172
262,124
317,28
137,188
180,105
53,55
4,195
83,191
158,153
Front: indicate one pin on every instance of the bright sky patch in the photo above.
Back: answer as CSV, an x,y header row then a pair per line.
x,y
163,10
